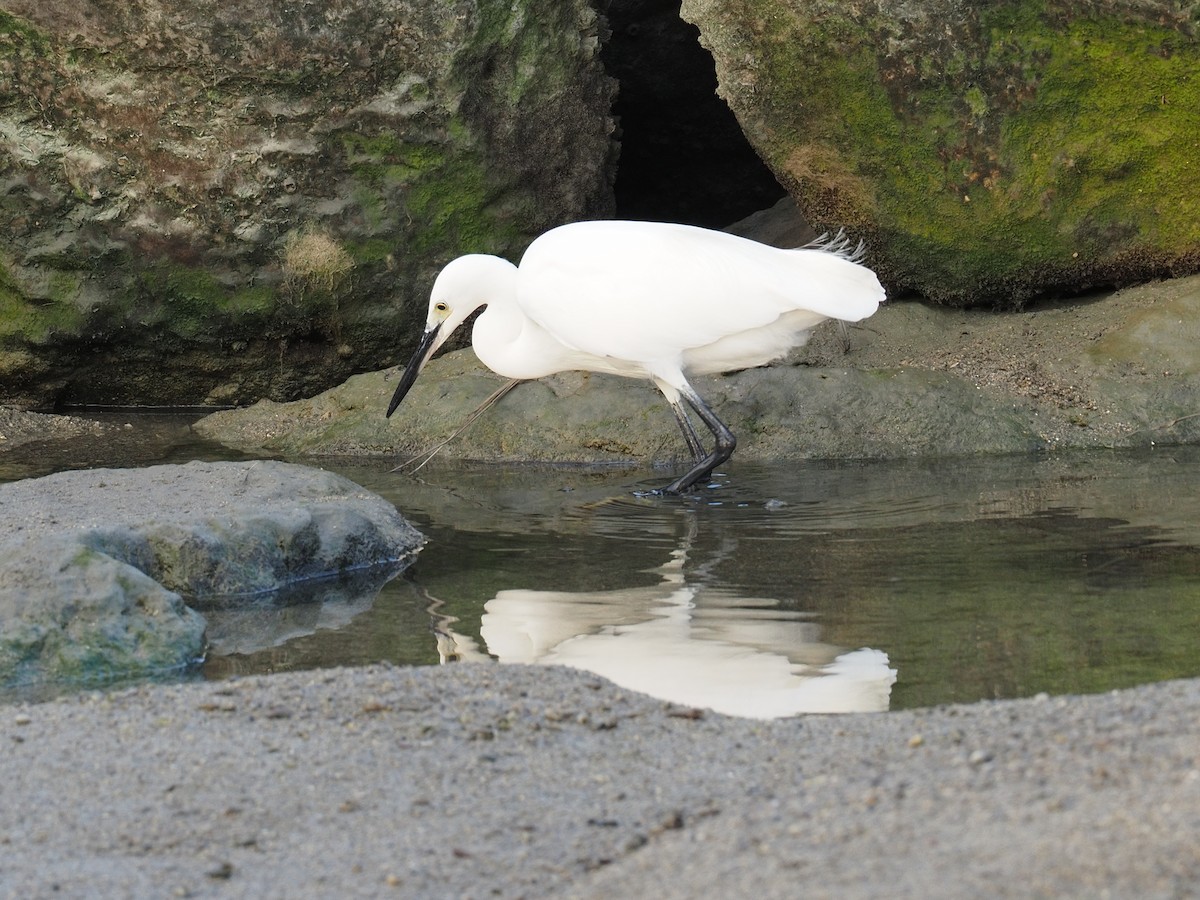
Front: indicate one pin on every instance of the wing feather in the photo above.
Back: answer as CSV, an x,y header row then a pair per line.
x,y
649,291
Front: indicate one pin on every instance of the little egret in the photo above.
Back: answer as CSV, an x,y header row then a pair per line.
x,y
646,300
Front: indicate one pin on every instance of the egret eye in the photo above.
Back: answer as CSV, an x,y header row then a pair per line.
x,y
440,307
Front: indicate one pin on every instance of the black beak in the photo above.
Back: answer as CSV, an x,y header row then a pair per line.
x,y
413,369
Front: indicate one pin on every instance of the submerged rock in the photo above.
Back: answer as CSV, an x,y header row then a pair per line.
x,y
99,563
989,152
18,427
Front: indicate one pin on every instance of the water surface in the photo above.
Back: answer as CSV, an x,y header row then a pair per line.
x,y
809,586
804,587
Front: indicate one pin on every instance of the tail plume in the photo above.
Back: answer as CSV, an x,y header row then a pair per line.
x,y
839,245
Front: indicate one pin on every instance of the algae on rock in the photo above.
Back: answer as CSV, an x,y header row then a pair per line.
x,y
99,562
989,152
157,159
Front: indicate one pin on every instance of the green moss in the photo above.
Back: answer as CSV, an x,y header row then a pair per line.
x,y
376,250
27,321
447,198
28,63
249,303
977,102
383,158
451,209
374,206
1113,133
193,292
16,30
1008,155
177,300
14,315
190,303
502,28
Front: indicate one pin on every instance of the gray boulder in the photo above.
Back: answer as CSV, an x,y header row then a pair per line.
x,y
72,613
99,563
261,192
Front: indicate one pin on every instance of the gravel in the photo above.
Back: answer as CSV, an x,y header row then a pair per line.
x,y
485,780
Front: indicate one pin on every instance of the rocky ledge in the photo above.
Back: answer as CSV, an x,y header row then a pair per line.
x,y
1114,370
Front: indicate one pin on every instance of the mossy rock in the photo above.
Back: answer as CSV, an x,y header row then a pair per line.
x,y
237,201
118,587
989,152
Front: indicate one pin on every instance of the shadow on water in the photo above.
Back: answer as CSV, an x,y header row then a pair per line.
x,y
813,586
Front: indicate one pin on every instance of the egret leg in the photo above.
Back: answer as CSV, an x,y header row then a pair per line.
x,y
689,430
483,407
725,442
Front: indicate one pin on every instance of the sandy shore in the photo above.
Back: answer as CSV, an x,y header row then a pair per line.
x,y
482,780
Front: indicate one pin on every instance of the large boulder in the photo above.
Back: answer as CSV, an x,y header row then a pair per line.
x,y
99,563
212,202
989,152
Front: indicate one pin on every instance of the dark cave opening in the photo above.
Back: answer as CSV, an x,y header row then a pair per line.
x,y
683,156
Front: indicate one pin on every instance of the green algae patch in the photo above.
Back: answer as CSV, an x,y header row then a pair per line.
x,y
457,210
445,195
188,302
36,320
990,154
166,210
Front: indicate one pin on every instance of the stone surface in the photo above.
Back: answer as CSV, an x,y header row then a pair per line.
x,y
522,781
98,563
18,427
213,202
1121,370
989,152
71,612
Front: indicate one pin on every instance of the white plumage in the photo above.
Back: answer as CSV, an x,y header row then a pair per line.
x,y
647,300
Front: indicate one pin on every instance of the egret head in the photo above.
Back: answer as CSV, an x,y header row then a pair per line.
x,y
463,286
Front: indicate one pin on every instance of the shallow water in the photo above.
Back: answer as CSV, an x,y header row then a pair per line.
x,y
805,587
813,586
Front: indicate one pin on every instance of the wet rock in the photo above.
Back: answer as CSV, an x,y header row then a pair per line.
x,y
68,612
1119,371
18,427
989,152
255,193
99,563
777,413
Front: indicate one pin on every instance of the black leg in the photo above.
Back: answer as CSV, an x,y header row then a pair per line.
x,y
689,431
725,442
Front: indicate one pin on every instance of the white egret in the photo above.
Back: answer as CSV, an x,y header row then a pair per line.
x,y
646,300
680,640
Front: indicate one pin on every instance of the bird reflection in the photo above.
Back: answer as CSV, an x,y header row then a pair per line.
x,y
685,643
